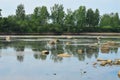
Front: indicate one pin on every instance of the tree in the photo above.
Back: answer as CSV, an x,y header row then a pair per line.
x,y
40,17
69,20
80,16
0,12
115,20
20,12
96,17
90,18
105,20
57,14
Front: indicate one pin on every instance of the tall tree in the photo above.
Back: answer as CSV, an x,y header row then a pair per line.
x,y
69,20
105,20
0,12
115,20
57,14
40,17
90,18
20,12
80,16
96,17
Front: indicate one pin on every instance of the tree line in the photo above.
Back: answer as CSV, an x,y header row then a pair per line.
x,y
59,21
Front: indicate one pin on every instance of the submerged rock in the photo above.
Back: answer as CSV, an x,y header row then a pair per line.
x,y
109,61
111,43
80,51
64,55
98,37
7,38
117,62
100,59
94,63
69,37
119,74
103,63
53,42
67,43
45,52
105,48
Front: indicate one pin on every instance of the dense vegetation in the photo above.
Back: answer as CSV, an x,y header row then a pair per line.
x,y
59,21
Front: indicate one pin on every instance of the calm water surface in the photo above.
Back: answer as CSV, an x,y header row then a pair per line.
x,y
21,59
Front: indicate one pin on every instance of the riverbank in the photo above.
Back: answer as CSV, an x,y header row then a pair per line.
x,y
82,34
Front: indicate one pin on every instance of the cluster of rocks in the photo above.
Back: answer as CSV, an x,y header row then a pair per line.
x,y
105,48
104,62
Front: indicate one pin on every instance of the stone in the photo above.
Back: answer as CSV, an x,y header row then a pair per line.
x,y
64,55
103,63
98,37
94,63
45,52
109,61
7,38
67,43
119,74
99,59
53,42
69,37
80,51
105,48
111,43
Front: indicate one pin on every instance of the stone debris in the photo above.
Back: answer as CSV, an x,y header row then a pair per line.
x,y
64,55
104,62
80,51
69,37
119,74
7,38
67,43
45,52
53,42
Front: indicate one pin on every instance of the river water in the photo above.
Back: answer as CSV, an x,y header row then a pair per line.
x,y
21,59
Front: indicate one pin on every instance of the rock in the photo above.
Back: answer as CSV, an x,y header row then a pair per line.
x,y
119,74
103,63
54,73
80,51
84,72
111,43
69,37
117,62
53,42
67,43
99,59
105,48
64,55
109,61
94,63
7,38
45,52
98,37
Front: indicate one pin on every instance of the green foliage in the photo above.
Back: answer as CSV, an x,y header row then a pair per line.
x,y
0,12
57,14
20,12
59,21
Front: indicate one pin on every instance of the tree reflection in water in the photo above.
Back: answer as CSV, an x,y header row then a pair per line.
x,y
54,50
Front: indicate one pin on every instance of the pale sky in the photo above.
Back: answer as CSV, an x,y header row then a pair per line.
x,y
105,6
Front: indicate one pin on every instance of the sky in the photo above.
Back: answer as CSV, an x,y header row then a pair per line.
x,y
105,6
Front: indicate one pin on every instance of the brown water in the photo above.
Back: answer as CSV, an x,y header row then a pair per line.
x,y
21,59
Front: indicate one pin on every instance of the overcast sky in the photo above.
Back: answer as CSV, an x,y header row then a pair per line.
x,y
105,6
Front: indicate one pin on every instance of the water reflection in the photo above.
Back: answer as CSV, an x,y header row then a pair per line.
x,y
75,47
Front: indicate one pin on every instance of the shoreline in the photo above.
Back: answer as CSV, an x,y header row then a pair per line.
x,y
52,34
